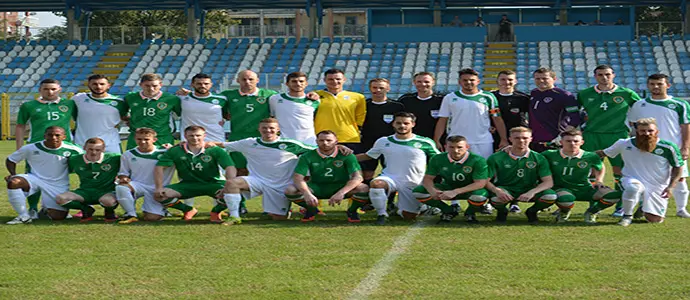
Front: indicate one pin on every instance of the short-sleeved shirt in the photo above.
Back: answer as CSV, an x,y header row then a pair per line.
x,y
333,169
272,162
606,110
650,167
98,117
550,112
343,114
139,166
206,112
379,120
669,113
477,110
201,167
458,173
48,164
98,175
246,111
295,117
514,108
522,173
572,172
152,113
426,110
41,114
406,158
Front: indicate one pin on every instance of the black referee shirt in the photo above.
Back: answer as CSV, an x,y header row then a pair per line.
x,y
514,109
379,121
425,110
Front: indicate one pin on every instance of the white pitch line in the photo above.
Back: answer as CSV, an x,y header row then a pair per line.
x,y
370,283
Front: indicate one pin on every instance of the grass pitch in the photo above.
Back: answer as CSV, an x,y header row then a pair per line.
x,y
329,258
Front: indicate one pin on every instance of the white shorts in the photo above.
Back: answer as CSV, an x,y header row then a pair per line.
x,y
150,205
684,171
406,200
274,200
49,190
485,150
652,202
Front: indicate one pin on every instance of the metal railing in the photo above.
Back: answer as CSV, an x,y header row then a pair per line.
x,y
659,28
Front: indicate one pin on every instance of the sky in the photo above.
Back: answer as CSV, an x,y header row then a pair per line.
x,y
48,19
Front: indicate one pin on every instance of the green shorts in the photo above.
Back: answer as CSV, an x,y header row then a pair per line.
x,y
517,192
91,196
239,159
324,191
421,190
196,189
601,141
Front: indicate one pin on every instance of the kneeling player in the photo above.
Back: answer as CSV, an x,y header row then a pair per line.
x,y
51,179
651,169
199,173
571,167
96,171
521,174
135,178
464,176
333,176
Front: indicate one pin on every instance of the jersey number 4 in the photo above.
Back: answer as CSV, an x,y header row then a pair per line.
x,y
197,166
604,106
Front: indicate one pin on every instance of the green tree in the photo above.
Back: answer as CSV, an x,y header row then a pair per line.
x,y
650,16
52,33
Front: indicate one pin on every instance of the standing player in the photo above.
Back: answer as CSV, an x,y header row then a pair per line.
x,y
97,171
673,118
551,110
151,108
48,110
464,176
294,111
333,176
514,107
135,178
99,114
651,169
473,106
378,122
606,104
522,174
571,167
202,108
271,160
52,178
199,169
424,104
410,153
341,111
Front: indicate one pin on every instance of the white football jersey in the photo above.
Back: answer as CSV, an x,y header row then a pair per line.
x,y
49,165
295,117
139,166
405,159
469,115
669,113
271,162
206,112
652,168
99,117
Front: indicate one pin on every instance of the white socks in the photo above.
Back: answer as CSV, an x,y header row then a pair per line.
x,y
18,201
378,200
680,194
126,200
233,203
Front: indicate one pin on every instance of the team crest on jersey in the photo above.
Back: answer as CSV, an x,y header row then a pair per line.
x,y
261,100
547,99
659,151
482,101
205,158
106,167
467,169
215,101
672,106
282,146
388,118
618,99
338,163
530,165
162,105
582,164
63,108
417,145
309,102
66,154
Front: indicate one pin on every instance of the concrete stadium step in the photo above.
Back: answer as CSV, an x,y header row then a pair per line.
x,y
114,60
499,56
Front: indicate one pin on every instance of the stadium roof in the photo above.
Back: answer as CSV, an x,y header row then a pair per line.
x,y
94,5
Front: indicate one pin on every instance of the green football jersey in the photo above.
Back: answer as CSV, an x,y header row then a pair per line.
x,y
246,112
96,175
606,111
327,169
154,114
572,172
522,173
201,168
459,173
41,115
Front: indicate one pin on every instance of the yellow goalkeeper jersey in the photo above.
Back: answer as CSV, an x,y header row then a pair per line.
x,y
342,113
